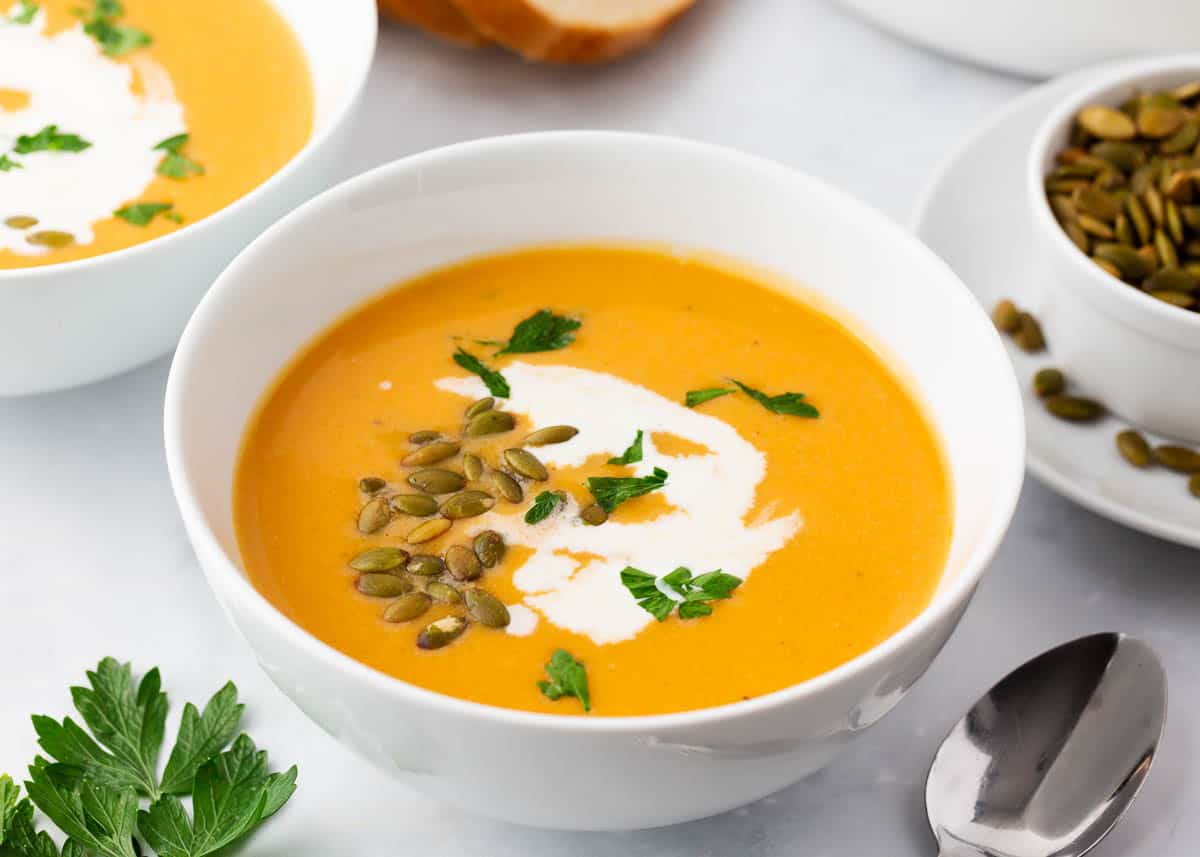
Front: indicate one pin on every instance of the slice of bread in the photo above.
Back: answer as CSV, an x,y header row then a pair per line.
x,y
440,17
572,31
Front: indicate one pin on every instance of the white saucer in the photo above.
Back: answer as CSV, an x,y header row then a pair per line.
x,y
973,216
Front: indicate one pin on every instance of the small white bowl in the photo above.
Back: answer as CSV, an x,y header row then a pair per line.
x,y
77,322
357,240
1138,355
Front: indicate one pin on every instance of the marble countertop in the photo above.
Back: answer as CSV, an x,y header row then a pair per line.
x,y
96,561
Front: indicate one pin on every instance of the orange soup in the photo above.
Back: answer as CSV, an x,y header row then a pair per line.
x,y
122,122
594,479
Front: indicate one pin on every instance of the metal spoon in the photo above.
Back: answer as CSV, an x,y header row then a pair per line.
x,y
1051,757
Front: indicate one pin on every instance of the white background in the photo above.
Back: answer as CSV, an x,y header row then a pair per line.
x,y
93,558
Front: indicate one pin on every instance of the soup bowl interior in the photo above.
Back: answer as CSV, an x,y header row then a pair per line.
x,y
125,308
493,195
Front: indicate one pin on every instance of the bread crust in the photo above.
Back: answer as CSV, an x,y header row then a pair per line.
x,y
439,17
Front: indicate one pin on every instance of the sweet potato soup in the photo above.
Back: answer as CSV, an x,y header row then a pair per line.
x,y
124,121
595,479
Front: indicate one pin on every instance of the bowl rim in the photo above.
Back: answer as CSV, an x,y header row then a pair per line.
x,y
361,66
235,584
1039,154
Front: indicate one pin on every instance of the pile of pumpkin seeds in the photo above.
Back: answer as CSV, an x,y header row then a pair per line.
x,y
1126,190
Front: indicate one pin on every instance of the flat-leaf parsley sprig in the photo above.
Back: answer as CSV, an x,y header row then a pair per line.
x,y
694,593
611,491
568,677
542,331
495,382
790,404
93,784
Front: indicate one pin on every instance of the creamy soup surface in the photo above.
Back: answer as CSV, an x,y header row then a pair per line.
x,y
828,516
122,122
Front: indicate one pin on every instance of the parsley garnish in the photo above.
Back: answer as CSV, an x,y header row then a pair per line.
x,y
699,397
542,331
141,213
25,14
93,785
543,505
7,164
567,678
633,454
612,491
49,140
116,39
495,382
175,164
792,404
694,593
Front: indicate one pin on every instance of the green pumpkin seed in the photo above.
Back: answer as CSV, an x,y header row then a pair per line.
x,y
1177,299
417,505
371,484
379,559
551,434
1078,236
462,563
1181,459
526,464
472,467
1129,262
1187,91
1179,186
1183,139
428,531
1124,231
1106,123
1006,316
1064,209
374,516
593,515
1126,157
1029,336
435,481
1157,122
489,548
431,453
486,609
507,487
425,565
20,221
468,504
443,593
1097,203
1168,256
1133,448
1073,408
1139,218
407,607
1109,267
1172,280
1194,485
1049,382
381,585
490,422
1095,227
1155,205
479,406
52,238
441,633
427,436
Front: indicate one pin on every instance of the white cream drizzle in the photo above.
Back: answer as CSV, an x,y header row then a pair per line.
x,y
712,494
72,84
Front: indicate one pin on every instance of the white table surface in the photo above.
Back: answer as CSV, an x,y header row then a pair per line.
x,y
95,560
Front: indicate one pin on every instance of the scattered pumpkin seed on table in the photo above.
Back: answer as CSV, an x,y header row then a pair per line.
x,y
1049,382
1074,408
1134,448
1181,459
1194,485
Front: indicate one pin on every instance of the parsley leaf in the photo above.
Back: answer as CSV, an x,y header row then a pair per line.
x,y
694,593
175,164
116,39
98,818
9,792
612,491
649,597
25,14
495,382
49,140
633,454
792,404
542,331
201,736
7,164
141,213
568,677
543,505
699,397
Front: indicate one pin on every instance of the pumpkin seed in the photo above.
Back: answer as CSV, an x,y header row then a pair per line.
x,y
1138,217
1124,231
1099,228
427,436
462,563
1178,186
1183,139
489,548
1154,204
1157,122
20,221
427,531
1174,222
1074,408
1178,299
443,593
1187,91
371,484
1049,382
417,505
441,632
478,406
379,559
1078,236
1194,485
551,434
1133,448
1097,203
1006,316
431,453
1106,123
1171,280
407,607
594,515
526,464
374,516
1064,209
1109,267
472,467
1168,256
1129,262
486,609
435,481
50,238
425,565
1181,459
468,504
507,487
1029,336
381,585
490,422
1126,157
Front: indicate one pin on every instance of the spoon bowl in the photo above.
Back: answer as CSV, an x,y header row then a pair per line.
x,y
1051,757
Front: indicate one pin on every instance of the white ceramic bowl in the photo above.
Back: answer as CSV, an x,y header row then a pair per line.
x,y
428,210
1134,353
77,322
1038,38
